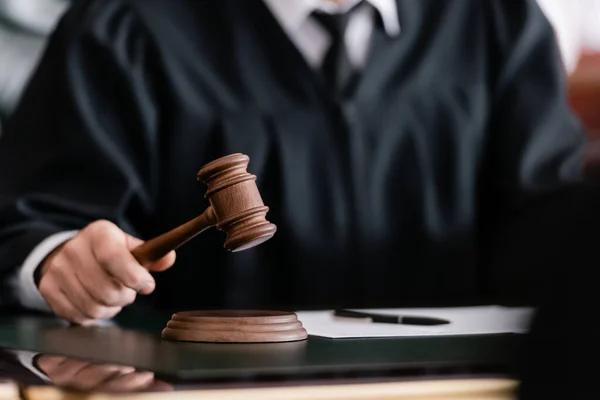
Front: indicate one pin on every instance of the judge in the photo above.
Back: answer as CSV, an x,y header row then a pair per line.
x,y
411,153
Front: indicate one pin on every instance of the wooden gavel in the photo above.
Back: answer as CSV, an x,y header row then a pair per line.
x,y
236,208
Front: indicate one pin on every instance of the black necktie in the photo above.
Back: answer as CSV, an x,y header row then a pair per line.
x,y
337,68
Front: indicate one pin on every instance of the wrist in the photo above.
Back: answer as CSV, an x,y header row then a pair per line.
x,y
43,266
30,274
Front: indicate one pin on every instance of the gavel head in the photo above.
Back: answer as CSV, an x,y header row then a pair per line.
x,y
236,202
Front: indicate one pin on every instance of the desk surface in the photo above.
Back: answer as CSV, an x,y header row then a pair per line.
x,y
135,341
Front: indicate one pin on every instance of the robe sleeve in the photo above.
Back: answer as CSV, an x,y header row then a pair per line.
x,y
536,141
82,143
537,210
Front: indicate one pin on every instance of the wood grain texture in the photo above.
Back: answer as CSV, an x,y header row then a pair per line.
x,y
236,208
237,203
455,389
156,248
234,326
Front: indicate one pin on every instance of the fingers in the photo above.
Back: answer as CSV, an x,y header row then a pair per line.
x,y
94,275
161,265
132,242
84,375
59,302
109,248
50,363
67,285
83,301
95,376
164,263
96,282
129,382
161,386
63,372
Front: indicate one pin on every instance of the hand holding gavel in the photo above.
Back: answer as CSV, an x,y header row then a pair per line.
x,y
102,269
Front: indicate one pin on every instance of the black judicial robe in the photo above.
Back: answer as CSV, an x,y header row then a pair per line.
x,y
12,370
433,182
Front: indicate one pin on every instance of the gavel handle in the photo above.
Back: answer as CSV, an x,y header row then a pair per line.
x,y
158,247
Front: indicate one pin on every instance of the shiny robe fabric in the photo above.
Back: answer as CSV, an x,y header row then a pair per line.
x,y
425,186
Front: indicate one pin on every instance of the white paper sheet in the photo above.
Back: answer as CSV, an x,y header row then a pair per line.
x,y
463,321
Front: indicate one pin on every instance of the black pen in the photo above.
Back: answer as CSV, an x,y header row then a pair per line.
x,y
391,319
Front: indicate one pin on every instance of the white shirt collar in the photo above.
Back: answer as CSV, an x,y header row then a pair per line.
x,y
293,13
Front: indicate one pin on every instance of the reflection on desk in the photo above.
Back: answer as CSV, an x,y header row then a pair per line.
x,y
48,377
29,369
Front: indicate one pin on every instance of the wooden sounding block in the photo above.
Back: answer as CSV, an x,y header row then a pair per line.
x,y
232,326
236,208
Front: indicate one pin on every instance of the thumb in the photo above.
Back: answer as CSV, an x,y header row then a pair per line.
x,y
163,264
132,242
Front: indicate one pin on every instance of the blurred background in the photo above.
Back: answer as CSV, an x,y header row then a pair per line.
x,y
577,26
25,26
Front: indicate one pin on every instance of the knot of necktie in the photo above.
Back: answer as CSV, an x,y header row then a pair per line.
x,y
335,24
337,67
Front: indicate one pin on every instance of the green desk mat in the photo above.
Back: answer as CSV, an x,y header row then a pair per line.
x,y
135,341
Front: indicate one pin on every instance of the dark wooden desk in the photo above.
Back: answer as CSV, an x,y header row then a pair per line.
x,y
136,342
